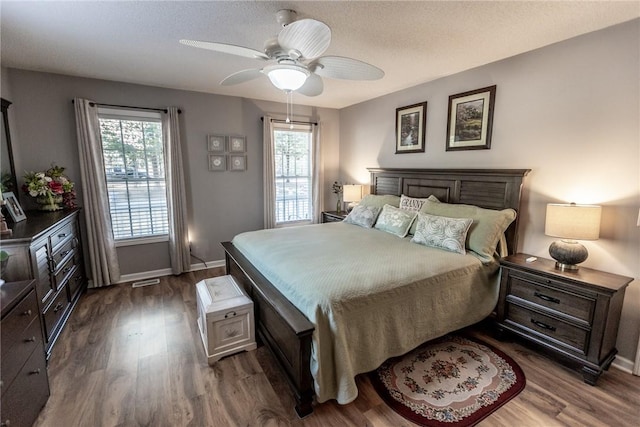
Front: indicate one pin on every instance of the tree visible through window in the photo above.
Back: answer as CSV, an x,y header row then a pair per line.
x,y
134,167
293,157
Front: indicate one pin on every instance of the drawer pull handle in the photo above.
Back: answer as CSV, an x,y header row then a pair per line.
x,y
35,372
543,325
64,253
66,270
32,339
230,314
546,297
62,235
58,307
27,313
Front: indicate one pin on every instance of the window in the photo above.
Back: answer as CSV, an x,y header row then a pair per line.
x,y
293,160
132,148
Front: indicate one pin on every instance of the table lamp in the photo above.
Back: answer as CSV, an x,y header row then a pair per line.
x,y
571,222
352,194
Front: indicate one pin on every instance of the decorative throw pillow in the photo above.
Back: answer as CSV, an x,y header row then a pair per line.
x,y
488,224
395,220
379,201
441,232
431,198
411,203
364,216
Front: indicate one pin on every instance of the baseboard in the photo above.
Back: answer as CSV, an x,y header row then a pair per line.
x,y
143,275
623,364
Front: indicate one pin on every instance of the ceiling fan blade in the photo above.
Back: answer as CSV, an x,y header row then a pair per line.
x,y
308,36
226,48
338,67
313,86
241,77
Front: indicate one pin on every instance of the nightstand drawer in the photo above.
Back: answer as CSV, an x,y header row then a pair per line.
x,y
572,336
552,296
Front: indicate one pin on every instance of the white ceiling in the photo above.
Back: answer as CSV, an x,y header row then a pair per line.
x,y
413,42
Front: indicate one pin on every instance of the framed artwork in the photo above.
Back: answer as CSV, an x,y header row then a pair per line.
x,y
13,207
237,144
216,143
217,162
470,119
411,127
238,162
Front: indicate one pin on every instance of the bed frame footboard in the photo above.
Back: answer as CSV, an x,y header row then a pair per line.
x,y
279,325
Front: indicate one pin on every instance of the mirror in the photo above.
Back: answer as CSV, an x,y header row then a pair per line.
x,y
7,167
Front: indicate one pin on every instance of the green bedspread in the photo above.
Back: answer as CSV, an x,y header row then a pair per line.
x,y
370,294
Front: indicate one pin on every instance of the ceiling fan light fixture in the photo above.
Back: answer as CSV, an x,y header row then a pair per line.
x,y
287,77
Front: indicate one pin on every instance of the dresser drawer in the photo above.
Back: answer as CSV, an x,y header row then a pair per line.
x,y
16,323
26,396
555,298
54,313
75,282
64,271
27,342
62,234
65,250
572,336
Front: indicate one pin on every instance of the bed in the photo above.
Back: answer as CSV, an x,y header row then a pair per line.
x,y
346,313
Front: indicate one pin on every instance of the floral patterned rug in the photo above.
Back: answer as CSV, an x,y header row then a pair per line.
x,y
452,381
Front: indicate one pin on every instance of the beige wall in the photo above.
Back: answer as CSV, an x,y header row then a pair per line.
x,y
569,112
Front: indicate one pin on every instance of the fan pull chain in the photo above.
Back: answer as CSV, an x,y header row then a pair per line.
x,y
289,120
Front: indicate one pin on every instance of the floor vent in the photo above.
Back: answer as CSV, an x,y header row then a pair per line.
x,y
147,282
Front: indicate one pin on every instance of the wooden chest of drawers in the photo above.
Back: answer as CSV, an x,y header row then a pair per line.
x,y
47,247
574,314
24,384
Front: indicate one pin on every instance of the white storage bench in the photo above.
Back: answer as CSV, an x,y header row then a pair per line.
x,y
225,318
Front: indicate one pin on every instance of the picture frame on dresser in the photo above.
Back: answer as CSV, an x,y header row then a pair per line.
x,y
470,119
13,207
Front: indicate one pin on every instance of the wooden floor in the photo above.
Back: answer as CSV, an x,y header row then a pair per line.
x,y
133,357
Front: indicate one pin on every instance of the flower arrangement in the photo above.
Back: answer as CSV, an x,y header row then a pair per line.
x,y
50,188
337,189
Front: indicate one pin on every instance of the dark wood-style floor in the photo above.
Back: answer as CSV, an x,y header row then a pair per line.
x,y
133,357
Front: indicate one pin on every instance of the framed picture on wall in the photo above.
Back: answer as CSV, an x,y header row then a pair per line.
x,y
411,127
217,162
470,119
237,144
13,207
216,143
237,162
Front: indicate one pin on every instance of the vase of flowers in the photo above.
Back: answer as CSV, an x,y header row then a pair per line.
x,y
337,190
52,190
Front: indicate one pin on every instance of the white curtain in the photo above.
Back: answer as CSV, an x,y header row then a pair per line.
x,y
176,196
317,177
269,174
101,245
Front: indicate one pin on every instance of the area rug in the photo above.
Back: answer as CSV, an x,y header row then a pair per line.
x,y
452,381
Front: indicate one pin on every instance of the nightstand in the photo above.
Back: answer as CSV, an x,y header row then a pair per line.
x,y
573,314
333,216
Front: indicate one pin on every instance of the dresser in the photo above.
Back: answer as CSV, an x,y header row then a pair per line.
x,y
46,247
24,384
574,314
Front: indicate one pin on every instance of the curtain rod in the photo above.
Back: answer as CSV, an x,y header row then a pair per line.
x,y
162,110
291,121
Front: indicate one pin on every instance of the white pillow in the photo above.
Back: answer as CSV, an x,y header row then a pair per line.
x,y
364,216
411,203
442,232
395,221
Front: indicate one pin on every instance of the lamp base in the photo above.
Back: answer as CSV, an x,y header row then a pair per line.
x,y
567,254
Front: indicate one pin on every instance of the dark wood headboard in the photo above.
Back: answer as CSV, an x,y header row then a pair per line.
x,y
487,188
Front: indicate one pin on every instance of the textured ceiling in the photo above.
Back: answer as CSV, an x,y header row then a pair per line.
x,y
413,42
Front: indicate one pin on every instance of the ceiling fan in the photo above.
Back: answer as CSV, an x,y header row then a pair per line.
x,y
296,64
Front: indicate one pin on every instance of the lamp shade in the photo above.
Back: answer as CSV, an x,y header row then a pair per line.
x,y
287,77
352,192
571,221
